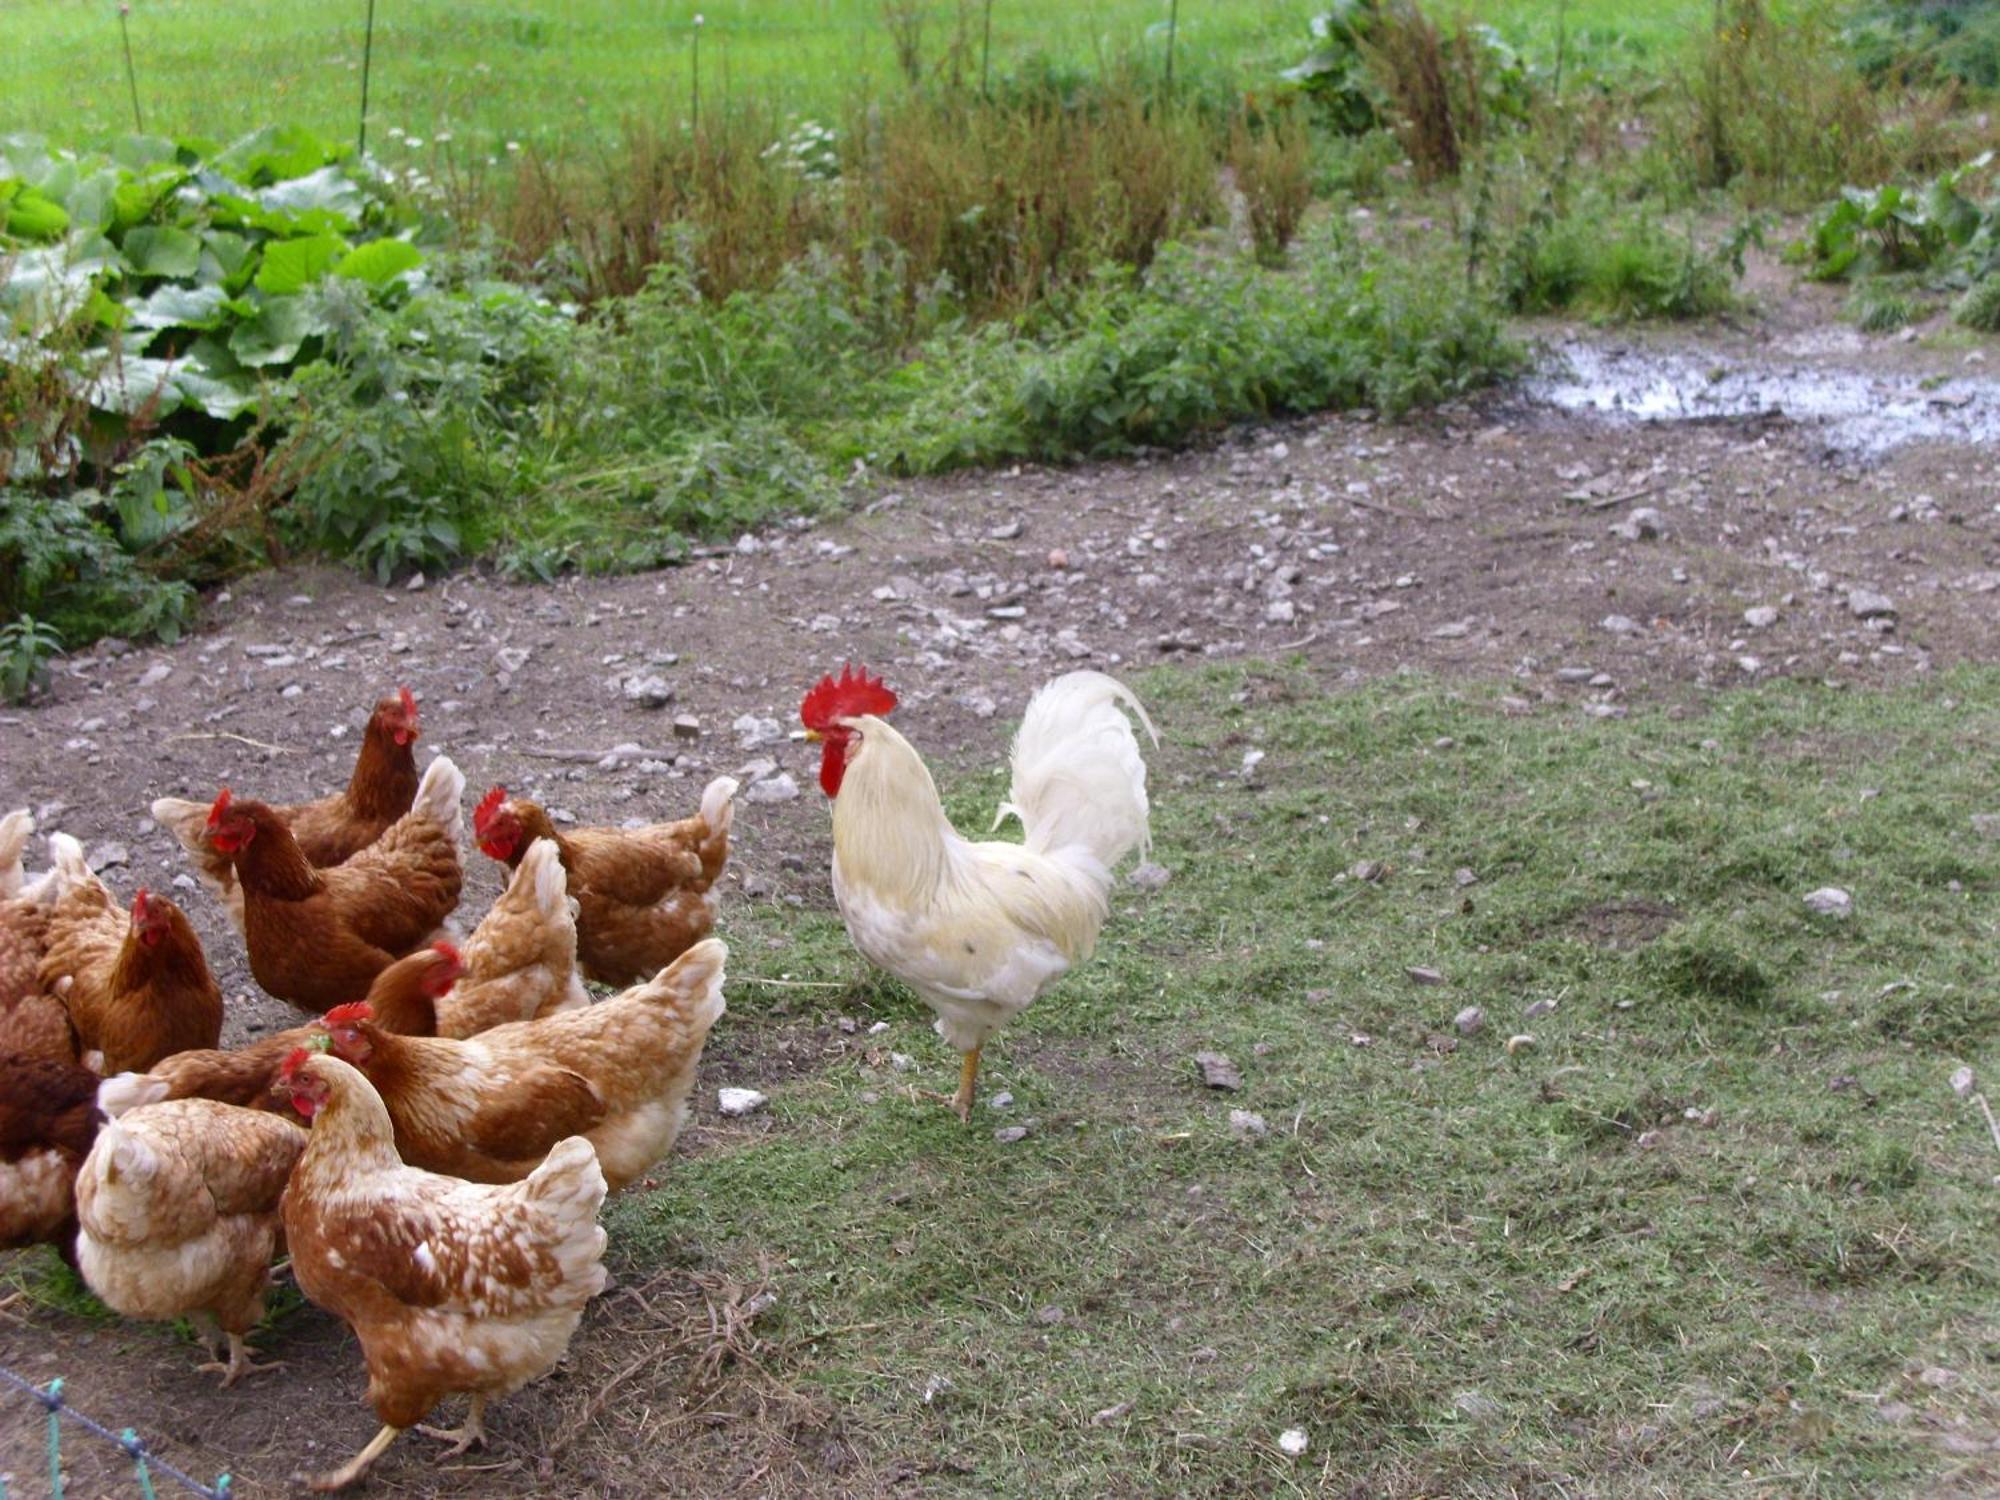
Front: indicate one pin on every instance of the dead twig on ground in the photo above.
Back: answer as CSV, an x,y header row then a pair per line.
x,y
1611,500
241,739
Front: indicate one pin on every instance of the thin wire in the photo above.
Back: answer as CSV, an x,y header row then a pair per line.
x,y
130,1444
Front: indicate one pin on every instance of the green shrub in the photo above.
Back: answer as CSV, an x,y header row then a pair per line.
x,y
1979,308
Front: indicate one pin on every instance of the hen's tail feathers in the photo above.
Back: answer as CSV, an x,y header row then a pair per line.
x,y
569,1186
128,1091
188,823
718,804
691,985
439,795
14,831
1078,775
72,870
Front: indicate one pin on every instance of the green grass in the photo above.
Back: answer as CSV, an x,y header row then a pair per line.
x,y
1693,1241
533,71
1682,1244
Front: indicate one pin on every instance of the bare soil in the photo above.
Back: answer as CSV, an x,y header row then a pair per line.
x,y
1472,542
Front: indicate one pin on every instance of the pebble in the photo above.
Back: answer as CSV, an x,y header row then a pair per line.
x,y
1217,1071
156,674
1760,617
1621,624
1006,531
1004,1100
740,1101
108,856
1247,1124
1293,1442
1866,604
1470,1021
1420,975
1830,901
771,789
1537,1010
1476,1407
1962,1082
752,731
1643,525
1150,876
648,691
1251,760
1007,1135
687,727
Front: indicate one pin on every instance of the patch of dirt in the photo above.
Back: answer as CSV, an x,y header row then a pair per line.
x,y
1623,925
1473,542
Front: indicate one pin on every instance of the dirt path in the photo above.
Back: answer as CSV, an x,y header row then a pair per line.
x,y
1475,542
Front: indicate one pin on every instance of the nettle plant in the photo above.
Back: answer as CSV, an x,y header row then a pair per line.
x,y
181,277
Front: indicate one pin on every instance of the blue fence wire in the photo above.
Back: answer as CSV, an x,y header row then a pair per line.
x,y
145,1464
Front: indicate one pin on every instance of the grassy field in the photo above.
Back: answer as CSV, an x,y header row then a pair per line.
x,y
1721,1228
1696,1239
535,70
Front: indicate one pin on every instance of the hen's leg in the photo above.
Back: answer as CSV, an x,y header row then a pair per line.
x,y
968,1074
472,1434
238,1364
342,1477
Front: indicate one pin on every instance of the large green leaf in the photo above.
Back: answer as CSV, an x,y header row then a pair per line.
x,y
133,384
33,215
91,203
273,337
162,250
274,153
290,266
135,198
173,306
227,260
328,189
138,152
224,399
380,262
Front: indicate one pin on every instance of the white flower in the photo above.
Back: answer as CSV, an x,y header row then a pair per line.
x,y
697,18
443,137
414,142
513,145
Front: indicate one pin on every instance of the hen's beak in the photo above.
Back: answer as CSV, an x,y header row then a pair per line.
x,y
813,736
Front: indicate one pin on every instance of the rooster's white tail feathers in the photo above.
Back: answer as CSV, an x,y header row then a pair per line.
x,y
1078,775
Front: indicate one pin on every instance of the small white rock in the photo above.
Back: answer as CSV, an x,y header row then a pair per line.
x,y
1293,1442
1246,1124
1760,617
1830,901
1961,1082
740,1101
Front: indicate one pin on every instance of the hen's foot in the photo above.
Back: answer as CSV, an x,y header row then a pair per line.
x,y
471,1435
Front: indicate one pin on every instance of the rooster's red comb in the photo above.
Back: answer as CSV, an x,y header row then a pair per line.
x,y
488,806
218,809
348,1014
409,705
849,696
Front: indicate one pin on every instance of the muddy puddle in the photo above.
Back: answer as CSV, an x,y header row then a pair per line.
x,y
1851,411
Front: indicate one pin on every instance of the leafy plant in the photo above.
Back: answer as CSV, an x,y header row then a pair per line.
x,y
26,644
190,271
1893,228
1979,308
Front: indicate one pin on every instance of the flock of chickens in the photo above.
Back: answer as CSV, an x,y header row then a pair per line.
x,y
432,1149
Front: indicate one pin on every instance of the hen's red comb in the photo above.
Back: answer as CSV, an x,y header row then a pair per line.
x,y
290,1067
849,696
348,1014
216,811
409,706
139,900
449,953
488,805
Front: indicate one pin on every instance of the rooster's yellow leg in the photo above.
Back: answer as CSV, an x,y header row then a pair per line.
x,y
968,1074
342,1477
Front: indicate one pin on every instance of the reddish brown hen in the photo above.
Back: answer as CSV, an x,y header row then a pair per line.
x,y
137,986
644,896
331,829
317,938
